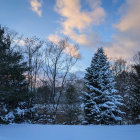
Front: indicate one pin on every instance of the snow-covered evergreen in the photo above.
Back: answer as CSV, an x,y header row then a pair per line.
x,y
102,104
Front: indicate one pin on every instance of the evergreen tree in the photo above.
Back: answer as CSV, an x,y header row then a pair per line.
x,y
125,84
101,99
13,86
136,94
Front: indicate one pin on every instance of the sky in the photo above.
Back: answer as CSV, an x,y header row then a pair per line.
x,y
112,24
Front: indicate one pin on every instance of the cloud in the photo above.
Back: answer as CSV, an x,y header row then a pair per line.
x,y
54,38
131,20
36,7
72,50
69,47
20,42
76,23
126,42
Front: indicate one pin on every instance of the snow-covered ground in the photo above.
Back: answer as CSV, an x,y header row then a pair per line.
x,y
64,132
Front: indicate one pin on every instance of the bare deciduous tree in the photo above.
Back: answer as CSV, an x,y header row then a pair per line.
x,y
136,58
58,61
119,66
32,51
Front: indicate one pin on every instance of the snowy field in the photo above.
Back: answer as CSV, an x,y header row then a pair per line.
x,y
62,132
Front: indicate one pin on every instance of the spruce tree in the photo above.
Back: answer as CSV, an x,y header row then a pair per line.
x,y
101,102
13,86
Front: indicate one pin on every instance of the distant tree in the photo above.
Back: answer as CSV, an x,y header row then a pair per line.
x,y
126,78
119,66
125,84
136,58
43,94
72,104
13,85
102,104
136,107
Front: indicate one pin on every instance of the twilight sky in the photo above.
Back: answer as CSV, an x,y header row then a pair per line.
x,y
112,24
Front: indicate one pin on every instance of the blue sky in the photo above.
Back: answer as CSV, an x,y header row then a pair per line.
x,y
89,23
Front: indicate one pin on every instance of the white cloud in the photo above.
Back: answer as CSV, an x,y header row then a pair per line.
x,y
72,50
130,21
126,42
20,42
69,47
54,38
36,7
76,22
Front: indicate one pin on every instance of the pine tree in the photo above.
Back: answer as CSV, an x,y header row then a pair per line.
x,y
101,99
13,86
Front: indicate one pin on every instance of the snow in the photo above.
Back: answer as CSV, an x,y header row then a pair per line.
x,y
65,132
9,117
20,111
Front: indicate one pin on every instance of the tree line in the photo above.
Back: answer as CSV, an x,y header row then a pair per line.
x,y
36,85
